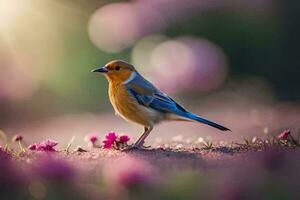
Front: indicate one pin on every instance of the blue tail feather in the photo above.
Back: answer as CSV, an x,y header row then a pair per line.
x,y
205,121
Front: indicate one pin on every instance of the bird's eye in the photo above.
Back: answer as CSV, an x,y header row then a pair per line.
x,y
117,68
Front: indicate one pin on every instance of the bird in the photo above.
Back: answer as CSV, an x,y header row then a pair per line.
x,y
137,100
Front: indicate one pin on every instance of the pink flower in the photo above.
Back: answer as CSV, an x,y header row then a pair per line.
x,y
124,138
107,144
109,140
32,147
47,145
284,135
93,138
111,136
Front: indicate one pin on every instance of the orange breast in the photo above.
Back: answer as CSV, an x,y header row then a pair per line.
x,y
127,107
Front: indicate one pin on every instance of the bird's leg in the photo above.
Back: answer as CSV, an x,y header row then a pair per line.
x,y
139,143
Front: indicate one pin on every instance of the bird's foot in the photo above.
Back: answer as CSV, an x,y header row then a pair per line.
x,y
136,146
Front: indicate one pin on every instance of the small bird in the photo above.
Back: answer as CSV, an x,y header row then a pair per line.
x,y
137,100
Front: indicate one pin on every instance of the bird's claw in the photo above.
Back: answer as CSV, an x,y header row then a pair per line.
x,y
135,147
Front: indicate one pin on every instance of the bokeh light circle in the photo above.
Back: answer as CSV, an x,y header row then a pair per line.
x,y
16,82
113,27
141,53
188,63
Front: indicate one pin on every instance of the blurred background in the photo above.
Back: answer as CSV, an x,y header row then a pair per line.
x,y
235,62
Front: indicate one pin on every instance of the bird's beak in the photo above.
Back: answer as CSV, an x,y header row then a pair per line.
x,y
100,70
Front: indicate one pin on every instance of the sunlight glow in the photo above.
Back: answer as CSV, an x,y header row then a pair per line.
x,y
10,10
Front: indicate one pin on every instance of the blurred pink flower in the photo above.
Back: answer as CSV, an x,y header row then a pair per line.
x,y
284,135
11,173
17,138
3,154
32,147
124,138
47,145
92,139
51,168
127,171
109,140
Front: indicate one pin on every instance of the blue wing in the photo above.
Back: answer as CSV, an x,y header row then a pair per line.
x,y
148,95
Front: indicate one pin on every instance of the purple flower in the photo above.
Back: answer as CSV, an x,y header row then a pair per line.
x,y
17,138
127,171
124,138
284,135
11,174
4,155
133,177
47,145
53,169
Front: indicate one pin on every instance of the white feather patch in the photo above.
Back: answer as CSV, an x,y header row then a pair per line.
x,y
131,77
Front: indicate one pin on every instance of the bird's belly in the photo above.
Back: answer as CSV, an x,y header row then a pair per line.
x,y
129,109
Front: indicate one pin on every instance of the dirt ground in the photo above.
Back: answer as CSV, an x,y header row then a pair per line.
x,y
246,120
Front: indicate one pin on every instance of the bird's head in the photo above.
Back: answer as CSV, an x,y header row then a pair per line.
x,y
116,71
